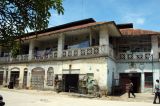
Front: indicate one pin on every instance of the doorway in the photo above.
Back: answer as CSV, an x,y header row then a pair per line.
x,y
1,77
70,82
15,78
125,80
25,79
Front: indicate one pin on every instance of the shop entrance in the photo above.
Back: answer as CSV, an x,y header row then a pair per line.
x,y
134,77
70,82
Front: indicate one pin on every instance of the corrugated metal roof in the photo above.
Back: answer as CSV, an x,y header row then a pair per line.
x,y
137,32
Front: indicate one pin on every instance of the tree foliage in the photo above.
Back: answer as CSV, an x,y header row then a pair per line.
x,y
16,16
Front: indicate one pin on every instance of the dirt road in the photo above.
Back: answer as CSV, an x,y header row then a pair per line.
x,y
29,98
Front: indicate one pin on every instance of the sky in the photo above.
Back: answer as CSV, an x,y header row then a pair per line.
x,y
144,14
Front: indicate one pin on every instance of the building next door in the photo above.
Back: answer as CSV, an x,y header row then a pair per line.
x,y
125,80
15,78
70,82
1,77
37,78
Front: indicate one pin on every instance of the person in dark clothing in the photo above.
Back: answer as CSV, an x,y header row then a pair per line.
x,y
1,101
131,91
157,91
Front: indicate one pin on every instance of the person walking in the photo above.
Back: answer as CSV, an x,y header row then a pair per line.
x,y
131,91
157,91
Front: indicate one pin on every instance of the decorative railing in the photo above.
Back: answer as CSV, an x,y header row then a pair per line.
x,y
4,59
134,56
43,55
81,52
46,55
23,57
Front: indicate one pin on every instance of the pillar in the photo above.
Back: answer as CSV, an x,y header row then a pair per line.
x,y
104,40
90,37
154,40
60,45
9,76
31,49
45,77
142,82
4,77
154,80
21,75
29,77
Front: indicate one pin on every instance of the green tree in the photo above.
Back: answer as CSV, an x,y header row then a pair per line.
x,y
16,16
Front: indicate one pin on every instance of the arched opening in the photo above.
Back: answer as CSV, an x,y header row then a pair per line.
x,y
37,78
14,77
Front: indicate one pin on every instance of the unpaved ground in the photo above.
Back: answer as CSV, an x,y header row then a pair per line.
x,y
50,98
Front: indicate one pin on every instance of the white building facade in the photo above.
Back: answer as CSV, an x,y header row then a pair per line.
x,y
72,52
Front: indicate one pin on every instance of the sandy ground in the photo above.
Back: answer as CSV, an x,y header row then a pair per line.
x,y
50,98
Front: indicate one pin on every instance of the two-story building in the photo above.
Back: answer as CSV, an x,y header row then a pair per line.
x,y
108,53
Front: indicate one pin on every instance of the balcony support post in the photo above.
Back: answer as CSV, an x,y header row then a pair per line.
x,y
60,45
104,40
31,50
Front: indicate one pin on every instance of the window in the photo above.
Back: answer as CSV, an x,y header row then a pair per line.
x,y
148,80
50,74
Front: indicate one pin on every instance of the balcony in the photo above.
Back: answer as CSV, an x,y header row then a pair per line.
x,y
70,53
81,52
4,59
134,56
23,57
44,55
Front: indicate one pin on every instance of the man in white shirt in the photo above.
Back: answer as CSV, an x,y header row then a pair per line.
x,y
157,91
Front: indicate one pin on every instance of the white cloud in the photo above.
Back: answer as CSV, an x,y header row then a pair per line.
x,y
140,21
137,19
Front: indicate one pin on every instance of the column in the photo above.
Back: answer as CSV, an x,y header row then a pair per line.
x,y
29,74
154,40
90,37
21,75
4,77
154,80
60,45
104,40
31,49
45,77
142,82
9,75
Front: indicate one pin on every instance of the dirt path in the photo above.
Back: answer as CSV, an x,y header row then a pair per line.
x,y
48,98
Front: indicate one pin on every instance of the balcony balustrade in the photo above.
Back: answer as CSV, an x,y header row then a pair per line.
x,y
4,59
47,55
20,58
44,55
81,52
134,56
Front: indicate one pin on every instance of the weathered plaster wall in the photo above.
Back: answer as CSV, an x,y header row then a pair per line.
x,y
140,68
111,75
98,66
